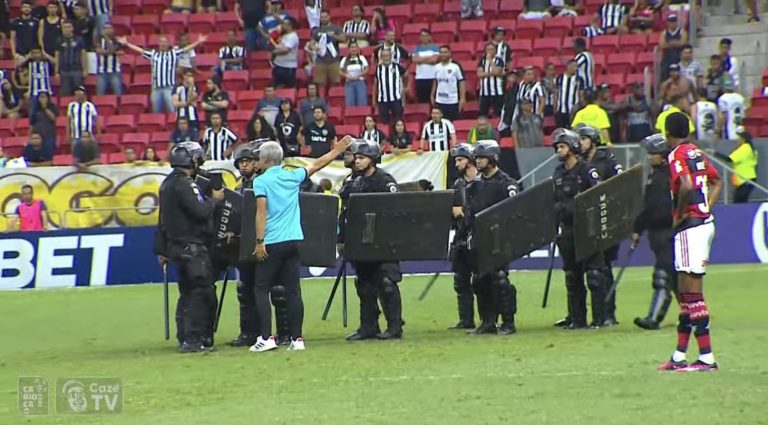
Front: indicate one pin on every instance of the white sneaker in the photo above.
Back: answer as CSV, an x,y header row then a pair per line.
x,y
263,345
297,345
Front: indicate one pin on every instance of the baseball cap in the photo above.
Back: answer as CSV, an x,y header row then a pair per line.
x,y
604,86
637,85
672,18
80,88
674,67
499,29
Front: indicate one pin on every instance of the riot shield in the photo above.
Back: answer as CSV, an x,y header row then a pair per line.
x,y
398,226
319,218
514,227
226,219
603,215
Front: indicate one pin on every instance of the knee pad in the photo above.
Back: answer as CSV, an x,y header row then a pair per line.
x,y
389,286
278,294
571,278
595,279
500,278
660,279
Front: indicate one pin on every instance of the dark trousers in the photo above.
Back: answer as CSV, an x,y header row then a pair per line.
x,y
574,281
488,102
246,297
450,111
196,307
664,278
549,110
390,112
562,120
378,281
424,90
496,296
69,81
284,77
741,196
461,265
280,270
609,256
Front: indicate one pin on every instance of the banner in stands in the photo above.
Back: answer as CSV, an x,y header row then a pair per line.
x,y
116,256
124,195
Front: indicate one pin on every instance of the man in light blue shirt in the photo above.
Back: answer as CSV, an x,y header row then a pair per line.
x,y
278,232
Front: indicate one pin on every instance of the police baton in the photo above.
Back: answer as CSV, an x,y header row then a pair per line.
x,y
221,301
165,302
342,273
549,274
344,296
612,289
429,286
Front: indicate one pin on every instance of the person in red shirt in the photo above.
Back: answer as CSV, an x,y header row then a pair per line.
x,y
695,186
31,213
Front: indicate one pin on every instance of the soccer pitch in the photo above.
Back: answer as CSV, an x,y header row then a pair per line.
x,y
541,375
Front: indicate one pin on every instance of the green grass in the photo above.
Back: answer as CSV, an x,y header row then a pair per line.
x,y
433,376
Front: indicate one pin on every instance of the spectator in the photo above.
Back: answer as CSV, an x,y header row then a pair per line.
x,y
482,131
569,89
49,30
371,132
533,90
287,127
706,118
354,68
182,133
732,108
470,8
357,29
676,85
606,101
728,62
232,55
186,60
595,116
31,213
549,86
535,9
425,56
400,139
218,141
327,37
671,43
438,134
592,30
585,63
389,84
209,6
71,60
449,90
308,104
185,99
269,105
318,135
642,15
82,115
639,113
490,72
528,128
108,70
44,122
285,58
24,31
35,154
85,27
503,50
259,129
164,61
558,8
151,156
39,76
130,157
399,53
690,68
714,79
613,17
3,158
249,13
380,25
5,24
314,9
269,25
12,100
21,82
743,159
86,152
509,110
215,100
677,104
181,6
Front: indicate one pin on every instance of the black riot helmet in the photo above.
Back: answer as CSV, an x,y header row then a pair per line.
x,y
255,145
187,155
370,149
487,149
568,137
589,132
244,152
656,144
463,150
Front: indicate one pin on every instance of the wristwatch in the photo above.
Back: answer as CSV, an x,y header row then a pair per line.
x,y
259,241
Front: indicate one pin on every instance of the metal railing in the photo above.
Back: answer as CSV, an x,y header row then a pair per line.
x,y
8,216
727,181
149,209
532,174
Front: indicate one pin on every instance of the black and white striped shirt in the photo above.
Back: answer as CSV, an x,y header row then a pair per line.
x,y
398,52
163,66
231,52
586,68
375,136
389,80
39,78
568,88
353,27
183,93
218,142
611,14
549,95
98,7
82,117
504,52
491,86
438,134
590,31
108,64
532,91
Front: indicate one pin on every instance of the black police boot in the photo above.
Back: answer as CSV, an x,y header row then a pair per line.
x,y
647,323
243,340
485,328
562,323
507,328
575,326
207,341
194,347
393,311
364,333
390,334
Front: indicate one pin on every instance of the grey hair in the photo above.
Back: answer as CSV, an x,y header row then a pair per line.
x,y
271,152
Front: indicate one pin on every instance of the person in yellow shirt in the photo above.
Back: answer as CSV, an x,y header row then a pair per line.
x,y
593,115
677,104
743,159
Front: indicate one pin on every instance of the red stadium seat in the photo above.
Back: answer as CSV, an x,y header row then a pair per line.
x,y
630,79
521,47
106,105
537,62
424,13
605,44
633,43
121,123
239,117
137,141
259,78
154,7
465,50
758,99
149,123
529,28
145,24
214,42
356,114
7,128
117,158
615,81
451,11
122,23
127,8
510,9
64,101
247,100
558,27
581,22
399,12
547,46
644,59
762,131
336,95
202,23
416,112
175,23
206,62
109,142
351,129
153,40
138,39
471,109
473,31
61,128
134,104
507,143
65,159
412,33
235,80
227,21
508,25
286,93
444,32
622,63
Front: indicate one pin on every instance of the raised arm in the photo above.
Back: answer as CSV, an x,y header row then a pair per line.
x,y
338,148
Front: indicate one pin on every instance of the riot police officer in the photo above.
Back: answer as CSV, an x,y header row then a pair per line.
x,y
656,217
374,279
606,165
185,229
495,294
572,176
461,262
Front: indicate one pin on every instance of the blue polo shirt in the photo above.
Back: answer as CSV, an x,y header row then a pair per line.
x,y
281,188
